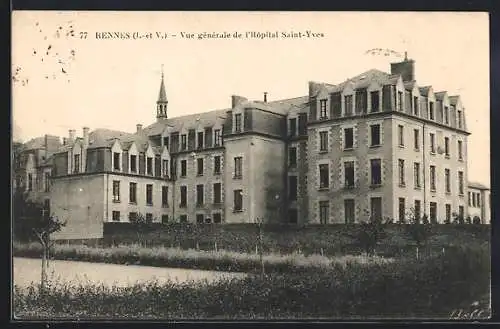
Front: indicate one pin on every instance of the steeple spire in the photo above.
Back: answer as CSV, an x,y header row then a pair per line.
x,y
162,102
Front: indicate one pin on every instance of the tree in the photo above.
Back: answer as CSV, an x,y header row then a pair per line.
x,y
418,229
260,238
370,233
476,220
142,224
458,219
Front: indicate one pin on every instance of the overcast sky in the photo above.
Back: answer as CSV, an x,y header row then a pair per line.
x,y
114,83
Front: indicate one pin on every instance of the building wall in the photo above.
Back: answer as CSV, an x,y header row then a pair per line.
x,y
79,200
483,209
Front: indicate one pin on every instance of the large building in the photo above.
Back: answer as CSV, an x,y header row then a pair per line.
x,y
376,145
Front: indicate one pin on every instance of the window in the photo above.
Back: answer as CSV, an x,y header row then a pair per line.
x,y
200,140
292,157
348,138
433,212
473,199
133,192
349,174
164,196
116,161
46,206
461,211
460,154
470,199
238,167
459,119
417,210
447,147
166,142
116,216
133,163
447,180
324,178
433,177
238,200
237,122
446,115
415,105
30,182
217,165
218,138
47,182
183,218
479,200
183,142
217,193
401,135
416,174
349,215
149,194
400,100
416,139
324,211
431,110
401,209
376,172
293,127
348,105
293,216
433,142
375,135
460,182
217,218
322,108
149,217
199,195
199,218
164,219
132,216
375,100
292,188
116,191
76,169
165,168
323,141
376,208
199,166
401,166
149,166
183,203
448,212
183,168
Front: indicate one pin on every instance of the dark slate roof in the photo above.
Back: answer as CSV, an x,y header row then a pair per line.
x,y
478,186
34,144
363,80
162,95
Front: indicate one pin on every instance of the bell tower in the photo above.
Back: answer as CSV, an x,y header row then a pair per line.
x,y
162,102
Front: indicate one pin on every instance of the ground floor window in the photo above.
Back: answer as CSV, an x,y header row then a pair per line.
x,y
199,218
293,216
324,211
376,208
349,216
164,219
433,212
116,216
217,218
183,218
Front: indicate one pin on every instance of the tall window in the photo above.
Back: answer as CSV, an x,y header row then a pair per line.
x,y
433,212
461,211
183,142
400,100
218,138
183,219
348,105
133,192
293,127
237,122
199,218
30,182
149,217
199,195
433,142
133,163
459,119
217,193
149,165
417,208
323,141
200,140
183,168
47,182
376,172
416,174
349,174
115,216
199,166
76,169
376,208
433,177
217,218
349,214
375,100
164,219
116,161
446,115
375,135
149,194
183,203
322,109
460,154
238,200
164,196
292,187
116,191
461,182
401,166
292,157
132,216
415,105
238,167
447,146
324,211
470,199
348,138
165,168
401,209
447,180
324,179
217,165
416,139
401,135
166,141
448,212
431,110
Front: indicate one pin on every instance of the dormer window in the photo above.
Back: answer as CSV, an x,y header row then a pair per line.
x,y
293,127
165,168
237,122
116,161
133,163
459,117
415,105
183,142
431,110
217,139
200,140
322,109
375,100
348,105
149,165
446,115
400,100
76,164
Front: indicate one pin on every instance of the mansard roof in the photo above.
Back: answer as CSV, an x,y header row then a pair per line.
x,y
478,186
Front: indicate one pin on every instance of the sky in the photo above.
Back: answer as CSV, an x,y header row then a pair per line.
x,y
113,83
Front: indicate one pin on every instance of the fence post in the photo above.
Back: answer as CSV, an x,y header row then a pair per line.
x,y
256,249
197,246
322,254
417,252
215,245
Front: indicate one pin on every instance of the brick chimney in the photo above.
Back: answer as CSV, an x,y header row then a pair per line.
x,y
86,136
71,137
139,127
406,69
237,100
265,97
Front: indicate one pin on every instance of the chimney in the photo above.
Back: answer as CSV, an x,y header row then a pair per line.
x,y
139,128
65,140
71,137
237,100
86,135
265,97
313,88
406,69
